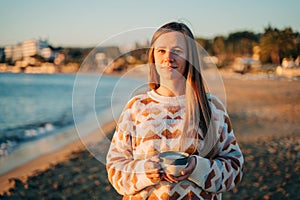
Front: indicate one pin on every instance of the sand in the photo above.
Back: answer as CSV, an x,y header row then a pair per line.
x,y
49,160
265,115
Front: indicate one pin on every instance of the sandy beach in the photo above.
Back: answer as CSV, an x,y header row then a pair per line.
x,y
265,115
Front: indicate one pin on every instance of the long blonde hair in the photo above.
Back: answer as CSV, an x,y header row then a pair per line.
x,y
198,112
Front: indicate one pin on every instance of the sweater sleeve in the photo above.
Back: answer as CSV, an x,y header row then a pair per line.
x,y
224,171
125,173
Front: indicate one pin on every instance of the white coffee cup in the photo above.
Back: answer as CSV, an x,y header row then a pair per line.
x,y
173,162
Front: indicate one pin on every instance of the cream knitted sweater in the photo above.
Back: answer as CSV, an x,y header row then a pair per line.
x,y
151,124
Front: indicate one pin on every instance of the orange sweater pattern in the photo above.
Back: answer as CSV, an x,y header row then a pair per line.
x,y
151,124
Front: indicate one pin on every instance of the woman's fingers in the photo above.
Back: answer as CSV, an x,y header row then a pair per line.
x,y
190,167
152,169
152,164
155,159
184,174
169,178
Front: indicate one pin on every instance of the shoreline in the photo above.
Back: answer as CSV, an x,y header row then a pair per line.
x,y
45,161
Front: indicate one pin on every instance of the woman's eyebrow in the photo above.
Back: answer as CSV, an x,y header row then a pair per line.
x,y
163,47
156,47
177,47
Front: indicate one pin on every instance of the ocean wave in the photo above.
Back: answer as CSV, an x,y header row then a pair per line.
x,y
12,137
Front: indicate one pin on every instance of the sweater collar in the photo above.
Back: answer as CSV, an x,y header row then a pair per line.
x,y
164,99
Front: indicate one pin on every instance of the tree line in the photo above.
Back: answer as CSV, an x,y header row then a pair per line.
x,y
271,46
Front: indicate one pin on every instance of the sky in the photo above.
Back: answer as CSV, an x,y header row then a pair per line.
x,y
85,23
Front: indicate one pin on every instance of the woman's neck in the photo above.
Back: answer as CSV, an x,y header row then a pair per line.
x,y
171,88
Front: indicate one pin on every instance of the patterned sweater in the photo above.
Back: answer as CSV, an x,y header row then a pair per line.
x,y
150,124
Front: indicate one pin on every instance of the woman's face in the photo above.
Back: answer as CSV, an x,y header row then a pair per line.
x,y
170,52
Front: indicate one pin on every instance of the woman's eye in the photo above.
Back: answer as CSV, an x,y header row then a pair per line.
x,y
161,50
176,51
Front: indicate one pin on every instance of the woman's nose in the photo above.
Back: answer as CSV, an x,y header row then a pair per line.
x,y
168,57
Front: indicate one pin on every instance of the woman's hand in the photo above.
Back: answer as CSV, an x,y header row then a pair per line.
x,y
185,173
152,169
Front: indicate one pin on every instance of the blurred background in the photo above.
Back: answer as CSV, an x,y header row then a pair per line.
x,y
50,37
44,45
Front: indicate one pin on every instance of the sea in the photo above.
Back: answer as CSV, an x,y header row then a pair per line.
x,y
40,113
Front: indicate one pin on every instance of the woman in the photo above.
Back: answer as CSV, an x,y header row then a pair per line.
x,y
176,115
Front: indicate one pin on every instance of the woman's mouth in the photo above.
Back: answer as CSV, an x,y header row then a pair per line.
x,y
170,67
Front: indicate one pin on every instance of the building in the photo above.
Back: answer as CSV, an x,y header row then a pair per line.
x,y
29,52
17,53
2,55
8,51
